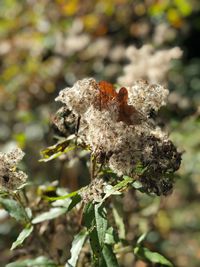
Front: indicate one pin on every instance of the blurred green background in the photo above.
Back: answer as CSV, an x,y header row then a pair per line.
x,y
48,45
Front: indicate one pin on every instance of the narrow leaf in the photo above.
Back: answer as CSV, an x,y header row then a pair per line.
x,y
72,194
122,185
56,150
95,219
153,257
109,256
14,209
141,238
89,222
57,211
111,238
101,223
22,236
40,261
74,201
88,215
77,245
119,220
49,215
62,203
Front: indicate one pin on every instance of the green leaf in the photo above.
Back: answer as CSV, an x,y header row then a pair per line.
x,y
109,256
74,201
38,262
29,212
49,215
110,190
122,185
119,220
58,149
137,185
62,203
95,219
22,236
77,245
153,257
141,238
111,237
139,169
101,222
72,194
14,209
88,215
89,222
57,211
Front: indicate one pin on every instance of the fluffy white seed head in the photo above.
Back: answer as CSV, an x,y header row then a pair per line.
x,y
146,97
80,96
146,63
10,177
116,126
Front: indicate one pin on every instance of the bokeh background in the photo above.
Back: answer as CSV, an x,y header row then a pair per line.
x,y
48,45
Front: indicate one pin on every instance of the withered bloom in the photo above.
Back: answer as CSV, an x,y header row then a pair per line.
x,y
148,63
10,177
115,124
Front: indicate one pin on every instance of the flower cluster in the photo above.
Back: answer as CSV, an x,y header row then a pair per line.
x,y
145,63
72,41
10,177
115,124
146,97
93,192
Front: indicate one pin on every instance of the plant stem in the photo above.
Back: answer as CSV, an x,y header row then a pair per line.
x,y
92,166
77,128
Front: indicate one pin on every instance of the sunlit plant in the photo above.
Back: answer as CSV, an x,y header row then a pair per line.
x,y
124,149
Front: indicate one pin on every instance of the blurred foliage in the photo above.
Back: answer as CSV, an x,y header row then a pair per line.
x,y
48,45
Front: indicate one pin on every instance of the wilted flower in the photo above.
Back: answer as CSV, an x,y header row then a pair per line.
x,y
115,124
10,177
146,63
80,96
146,97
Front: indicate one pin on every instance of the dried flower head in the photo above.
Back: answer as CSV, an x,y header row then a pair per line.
x,y
146,97
80,96
146,63
73,41
93,192
115,125
64,121
10,177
